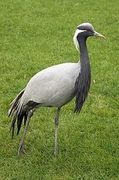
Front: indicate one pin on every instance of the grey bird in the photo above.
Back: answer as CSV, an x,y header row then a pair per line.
x,y
55,86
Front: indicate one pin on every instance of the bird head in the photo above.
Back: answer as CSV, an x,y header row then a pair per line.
x,y
84,30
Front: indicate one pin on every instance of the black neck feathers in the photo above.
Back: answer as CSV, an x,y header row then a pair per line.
x,y
82,84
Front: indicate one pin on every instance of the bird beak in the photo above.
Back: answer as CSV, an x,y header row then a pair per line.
x,y
99,35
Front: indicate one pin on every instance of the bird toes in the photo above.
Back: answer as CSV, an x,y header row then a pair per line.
x,y
21,148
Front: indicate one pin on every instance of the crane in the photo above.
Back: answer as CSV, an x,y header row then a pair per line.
x,y
55,86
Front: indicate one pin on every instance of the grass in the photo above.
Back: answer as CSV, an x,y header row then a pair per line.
x,y
38,34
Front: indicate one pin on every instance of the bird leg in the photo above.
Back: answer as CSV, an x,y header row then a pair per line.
x,y
56,133
21,146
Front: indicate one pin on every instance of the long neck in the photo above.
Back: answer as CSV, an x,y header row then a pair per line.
x,y
84,59
83,51
83,80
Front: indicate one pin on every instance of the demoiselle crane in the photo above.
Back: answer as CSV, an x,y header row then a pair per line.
x,y
55,86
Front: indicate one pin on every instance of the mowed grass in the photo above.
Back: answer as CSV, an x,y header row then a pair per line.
x,y
38,34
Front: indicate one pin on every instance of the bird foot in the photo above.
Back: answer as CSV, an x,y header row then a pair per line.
x,y
21,148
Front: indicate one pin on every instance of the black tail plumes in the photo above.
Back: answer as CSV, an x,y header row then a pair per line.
x,y
19,118
20,111
18,114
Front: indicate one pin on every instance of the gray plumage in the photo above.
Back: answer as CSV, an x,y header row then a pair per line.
x,y
55,86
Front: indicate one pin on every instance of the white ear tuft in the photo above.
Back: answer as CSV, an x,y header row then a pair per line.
x,y
75,38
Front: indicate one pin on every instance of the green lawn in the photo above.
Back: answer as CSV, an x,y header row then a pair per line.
x,y
35,35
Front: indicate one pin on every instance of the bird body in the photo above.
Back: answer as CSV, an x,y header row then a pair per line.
x,y
55,86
